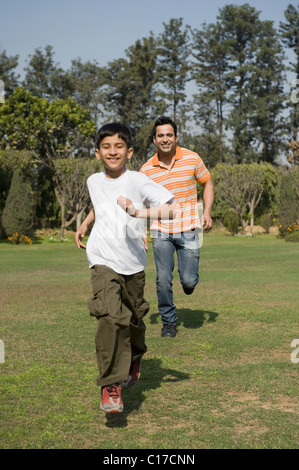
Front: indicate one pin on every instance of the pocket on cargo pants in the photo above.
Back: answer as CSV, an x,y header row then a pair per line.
x,y
97,303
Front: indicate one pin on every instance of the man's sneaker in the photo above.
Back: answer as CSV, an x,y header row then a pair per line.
x,y
169,330
134,374
111,399
188,290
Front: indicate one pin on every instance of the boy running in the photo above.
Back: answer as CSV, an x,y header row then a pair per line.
x,y
117,258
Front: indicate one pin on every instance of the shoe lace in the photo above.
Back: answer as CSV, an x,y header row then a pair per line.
x,y
113,391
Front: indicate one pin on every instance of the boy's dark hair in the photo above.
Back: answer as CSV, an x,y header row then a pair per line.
x,y
108,130
161,121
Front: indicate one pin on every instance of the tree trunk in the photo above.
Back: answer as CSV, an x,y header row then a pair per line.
x,y
79,219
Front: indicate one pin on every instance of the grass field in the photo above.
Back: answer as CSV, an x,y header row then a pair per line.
x,y
226,381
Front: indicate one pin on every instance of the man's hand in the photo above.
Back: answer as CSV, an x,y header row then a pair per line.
x,y
145,244
207,221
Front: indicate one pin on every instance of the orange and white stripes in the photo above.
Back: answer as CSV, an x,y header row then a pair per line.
x,y
181,179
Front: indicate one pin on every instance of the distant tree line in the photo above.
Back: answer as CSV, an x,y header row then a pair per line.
x,y
223,83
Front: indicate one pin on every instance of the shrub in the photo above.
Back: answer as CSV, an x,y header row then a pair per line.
x,y
292,237
266,222
17,239
292,233
231,221
288,206
17,215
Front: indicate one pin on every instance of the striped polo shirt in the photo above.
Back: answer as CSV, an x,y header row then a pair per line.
x,y
187,169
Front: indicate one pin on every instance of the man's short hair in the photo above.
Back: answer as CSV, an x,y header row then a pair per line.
x,y
108,130
161,121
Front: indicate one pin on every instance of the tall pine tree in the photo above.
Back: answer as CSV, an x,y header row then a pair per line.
x,y
290,37
17,216
174,68
209,70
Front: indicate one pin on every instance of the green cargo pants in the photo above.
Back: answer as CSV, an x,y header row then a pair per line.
x,y
119,307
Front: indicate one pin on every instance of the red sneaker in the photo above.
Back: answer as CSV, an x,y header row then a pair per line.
x,y
111,399
134,374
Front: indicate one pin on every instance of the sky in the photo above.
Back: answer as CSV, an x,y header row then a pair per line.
x,y
101,30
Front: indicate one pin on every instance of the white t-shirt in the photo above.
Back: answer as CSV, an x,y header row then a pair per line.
x,y
116,239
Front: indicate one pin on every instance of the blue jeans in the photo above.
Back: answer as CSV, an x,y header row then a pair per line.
x,y
186,246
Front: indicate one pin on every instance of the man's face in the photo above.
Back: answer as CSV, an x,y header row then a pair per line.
x,y
165,140
113,153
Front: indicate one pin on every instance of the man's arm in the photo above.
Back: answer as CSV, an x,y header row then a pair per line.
x,y
165,211
208,199
81,232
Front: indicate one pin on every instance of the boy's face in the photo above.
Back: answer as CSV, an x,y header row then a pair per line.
x,y
113,152
165,140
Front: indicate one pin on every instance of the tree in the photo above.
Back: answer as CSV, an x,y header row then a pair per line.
x,y
67,130
266,88
87,81
7,72
269,203
241,187
290,37
22,118
241,26
53,130
174,65
288,210
45,79
17,216
290,33
210,71
70,188
293,157
130,94
11,160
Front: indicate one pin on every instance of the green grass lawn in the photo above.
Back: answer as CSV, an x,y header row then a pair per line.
x,y
226,381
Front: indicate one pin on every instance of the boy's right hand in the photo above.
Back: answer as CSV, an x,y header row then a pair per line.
x,y
79,235
127,205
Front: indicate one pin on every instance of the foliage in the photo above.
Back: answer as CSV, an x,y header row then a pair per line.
x,y
292,237
241,187
22,119
209,70
288,211
239,112
7,72
231,221
17,239
52,128
291,234
290,37
174,66
44,78
266,222
11,160
131,97
17,215
70,177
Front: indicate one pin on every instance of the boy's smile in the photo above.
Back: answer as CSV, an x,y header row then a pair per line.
x,y
113,152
